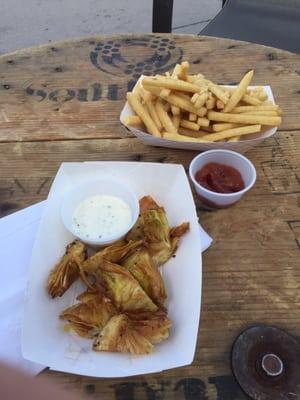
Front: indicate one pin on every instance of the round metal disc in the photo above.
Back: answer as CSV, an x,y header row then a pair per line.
x,y
266,363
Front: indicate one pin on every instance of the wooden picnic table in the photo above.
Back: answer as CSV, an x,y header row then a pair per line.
x,y
61,102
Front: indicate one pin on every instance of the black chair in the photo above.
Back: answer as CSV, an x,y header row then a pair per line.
x,y
270,22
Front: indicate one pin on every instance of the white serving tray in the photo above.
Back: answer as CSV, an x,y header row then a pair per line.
x,y
241,146
43,338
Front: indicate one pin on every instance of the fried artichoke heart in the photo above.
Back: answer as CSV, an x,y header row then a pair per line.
x,y
153,228
67,270
114,253
157,236
141,266
155,326
123,288
89,317
137,232
119,335
148,203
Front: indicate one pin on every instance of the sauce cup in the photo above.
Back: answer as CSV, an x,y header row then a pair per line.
x,y
91,188
226,157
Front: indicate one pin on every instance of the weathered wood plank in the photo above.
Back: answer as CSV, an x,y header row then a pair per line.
x,y
76,89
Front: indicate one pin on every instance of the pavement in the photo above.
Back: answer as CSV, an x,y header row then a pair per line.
x,y
33,22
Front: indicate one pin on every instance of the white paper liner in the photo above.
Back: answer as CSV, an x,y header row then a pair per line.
x,y
43,338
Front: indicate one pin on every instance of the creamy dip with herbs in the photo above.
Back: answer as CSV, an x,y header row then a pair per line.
x,y
100,217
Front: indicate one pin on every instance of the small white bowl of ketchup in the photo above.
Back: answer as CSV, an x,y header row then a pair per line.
x,y
221,177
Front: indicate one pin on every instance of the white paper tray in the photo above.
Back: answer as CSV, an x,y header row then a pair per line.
x,y
43,338
241,146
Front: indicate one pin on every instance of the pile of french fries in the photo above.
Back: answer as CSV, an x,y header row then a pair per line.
x,y
191,108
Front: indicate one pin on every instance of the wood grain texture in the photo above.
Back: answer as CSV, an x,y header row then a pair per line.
x,y
76,89
251,273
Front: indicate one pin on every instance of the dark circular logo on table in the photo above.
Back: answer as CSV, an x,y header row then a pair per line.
x,y
136,56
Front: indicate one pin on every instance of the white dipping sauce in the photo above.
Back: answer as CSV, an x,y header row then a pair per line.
x,y
100,217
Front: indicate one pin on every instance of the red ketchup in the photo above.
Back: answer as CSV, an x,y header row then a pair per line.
x,y
220,178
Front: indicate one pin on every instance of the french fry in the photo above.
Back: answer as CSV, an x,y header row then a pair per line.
x,y
203,121
134,121
219,104
201,100
218,92
189,132
191,78
256,91
142,112
227,91
207,129
176,121
202,111
239,92
192,117
202,83
252,93
167,106
257,88
266,112
194,97
164,117
176,71
251,100
223,126
262,96
195,78
210,103
175,110
153,114
243,118
182,138
146,96
234,139
183,96
268,107
165,93
244,130
190,125
152,89
137,90
182,103
171,83
185,66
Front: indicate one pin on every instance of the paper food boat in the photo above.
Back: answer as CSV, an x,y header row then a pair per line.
x,y
43,338
241,146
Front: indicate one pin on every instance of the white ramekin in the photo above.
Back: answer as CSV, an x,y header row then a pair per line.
x,y
93,188
226,157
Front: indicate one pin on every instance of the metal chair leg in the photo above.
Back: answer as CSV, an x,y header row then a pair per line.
x,y
162,16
